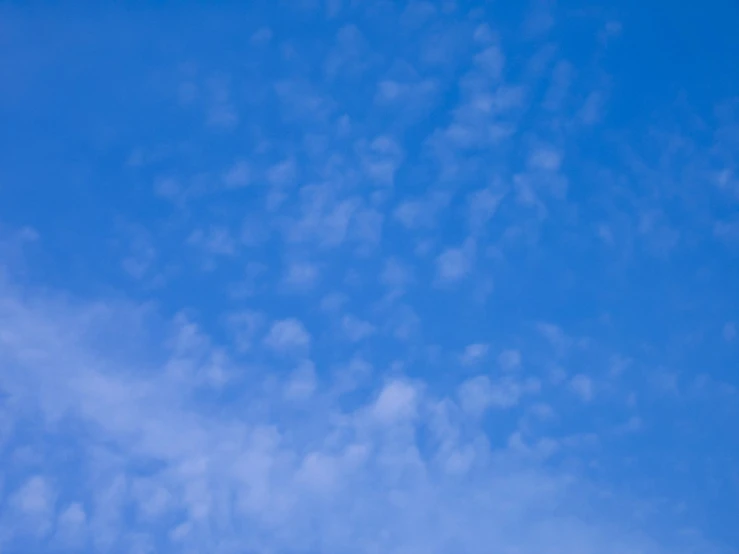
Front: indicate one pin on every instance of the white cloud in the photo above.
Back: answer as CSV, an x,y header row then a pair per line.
x,y
283,173
360,171
326,219
582,385
491,61
405,93
610,30
478,394
243,327
239,175
475,395
380,159
251,282
666,382
267,481
223,115
34,498
404,323
349,55
397,402
509,359
333,302
409,213
356,329
303,102
287,335
727,231
153,500
729,331
421,213
633,425
261,36
142,255
302,382
187,94
71,526
546,159
482,207
474,353
318,472
592,109
213,241
221,111
454,264
34,504
391,91
484,34
395,274
555,336
169,188
486,115
367,227
300,275
353,374
542,411
659,236
559,87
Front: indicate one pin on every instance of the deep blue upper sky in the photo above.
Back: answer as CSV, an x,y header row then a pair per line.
x,y
332,276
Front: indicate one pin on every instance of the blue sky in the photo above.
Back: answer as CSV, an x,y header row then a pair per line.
x,y
378,277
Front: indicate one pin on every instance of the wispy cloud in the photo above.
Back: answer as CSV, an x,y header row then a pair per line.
x,y
287,335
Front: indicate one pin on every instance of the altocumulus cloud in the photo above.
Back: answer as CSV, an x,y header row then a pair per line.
x,y
404,470
375,277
